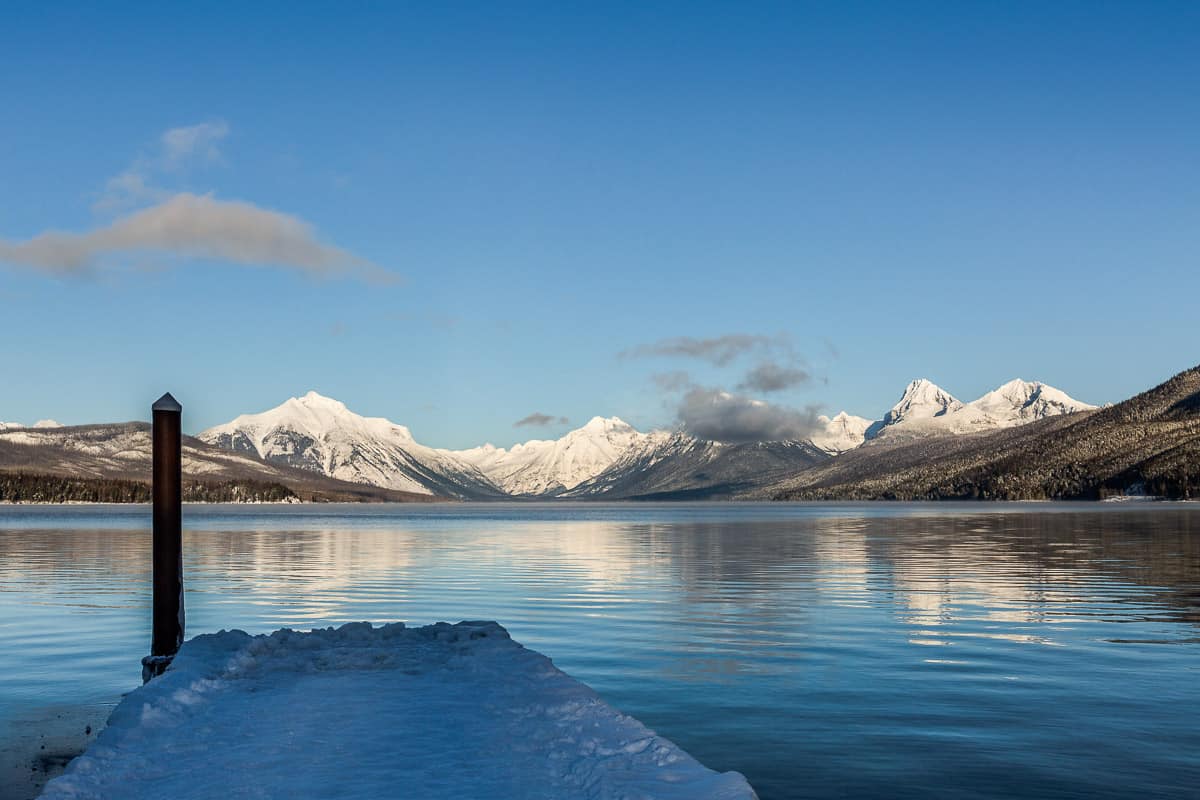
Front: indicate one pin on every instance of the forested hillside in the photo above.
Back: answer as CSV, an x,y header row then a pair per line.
x,y
1149,444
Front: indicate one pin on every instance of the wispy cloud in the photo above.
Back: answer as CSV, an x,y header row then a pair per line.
x,y
725,417
177,149
192,226
770,376
717,350
539,420
181,145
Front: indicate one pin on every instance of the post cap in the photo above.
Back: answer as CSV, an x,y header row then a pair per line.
x,y
166,403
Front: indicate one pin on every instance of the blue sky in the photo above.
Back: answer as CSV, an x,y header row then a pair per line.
x,y
504,198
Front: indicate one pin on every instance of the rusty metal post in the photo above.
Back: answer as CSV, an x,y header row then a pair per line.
x,y
168,537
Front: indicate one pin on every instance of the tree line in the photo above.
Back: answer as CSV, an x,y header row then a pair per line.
x,y
25,487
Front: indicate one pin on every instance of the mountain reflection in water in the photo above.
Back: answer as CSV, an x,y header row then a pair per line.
x,y
1047,650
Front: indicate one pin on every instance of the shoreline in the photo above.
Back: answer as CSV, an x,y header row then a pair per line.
x,y
632,503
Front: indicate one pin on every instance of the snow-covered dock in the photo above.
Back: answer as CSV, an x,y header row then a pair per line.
x,y
444,711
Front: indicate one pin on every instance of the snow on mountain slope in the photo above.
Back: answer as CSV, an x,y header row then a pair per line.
x,y
926,409
122,451
676,465
321,435
1027,401
843,432
543,466
40,424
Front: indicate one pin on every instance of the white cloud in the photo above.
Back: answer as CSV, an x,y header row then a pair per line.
x,y
192,226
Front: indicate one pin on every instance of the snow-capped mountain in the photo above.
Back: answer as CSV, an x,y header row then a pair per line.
x,y
122,452
320,434
926,409
41,424
546,467
841,433
922,399
1027,401
607,457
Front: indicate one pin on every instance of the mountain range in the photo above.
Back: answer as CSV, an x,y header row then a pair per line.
x,y
110,462
606,457
924,446
1148,445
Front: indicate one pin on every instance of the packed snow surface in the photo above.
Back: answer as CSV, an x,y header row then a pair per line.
x,y
443,711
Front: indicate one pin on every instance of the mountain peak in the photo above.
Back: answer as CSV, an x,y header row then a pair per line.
x,y
320,434
1021,399
923,387
549,466
841,433
605,424
922,398
314,399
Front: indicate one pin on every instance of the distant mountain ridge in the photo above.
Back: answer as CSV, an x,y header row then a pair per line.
x,y
41,423
1148,445
320,434
543,467
926,409
605,458
121,452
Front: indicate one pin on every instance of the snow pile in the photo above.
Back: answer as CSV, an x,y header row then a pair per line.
x,y
444,711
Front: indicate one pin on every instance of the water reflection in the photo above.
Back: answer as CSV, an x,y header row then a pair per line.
x,y
825,652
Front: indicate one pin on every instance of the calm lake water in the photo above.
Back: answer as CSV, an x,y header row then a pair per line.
x,y
836,651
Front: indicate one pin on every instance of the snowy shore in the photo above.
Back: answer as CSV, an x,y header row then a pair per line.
x,y
453,711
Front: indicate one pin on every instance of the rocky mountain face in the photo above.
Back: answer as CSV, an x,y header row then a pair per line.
x,y
95,454
321,435
1149,444
551,467
676,466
